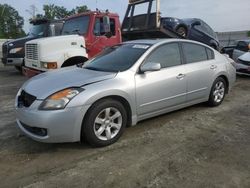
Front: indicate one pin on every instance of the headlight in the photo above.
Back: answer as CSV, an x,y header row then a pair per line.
x,y
15,50
49,65
60,99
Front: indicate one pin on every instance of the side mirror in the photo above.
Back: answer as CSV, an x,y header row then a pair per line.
x,y
150,67
196,23
106,24
52,30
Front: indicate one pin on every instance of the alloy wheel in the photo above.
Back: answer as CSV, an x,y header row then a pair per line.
x,y
219,92
108,123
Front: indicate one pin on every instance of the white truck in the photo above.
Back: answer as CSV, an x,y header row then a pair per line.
x,y
83,36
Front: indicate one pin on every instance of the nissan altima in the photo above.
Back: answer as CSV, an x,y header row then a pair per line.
x,y
123,85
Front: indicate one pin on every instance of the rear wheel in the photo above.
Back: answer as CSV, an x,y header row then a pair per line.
x,y
218,92
104,123
182,31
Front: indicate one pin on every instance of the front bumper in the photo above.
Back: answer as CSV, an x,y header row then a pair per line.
x,y
12,61
59,125
242,69
29,72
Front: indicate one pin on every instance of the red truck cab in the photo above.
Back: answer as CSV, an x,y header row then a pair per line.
x,y
83,36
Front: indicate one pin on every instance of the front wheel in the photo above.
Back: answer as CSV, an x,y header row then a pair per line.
x,y
218,92
104,123
182,31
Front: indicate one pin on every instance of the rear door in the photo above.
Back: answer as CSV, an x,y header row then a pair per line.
x,y
201,69
162,89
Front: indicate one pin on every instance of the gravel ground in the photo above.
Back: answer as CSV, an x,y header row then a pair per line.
x,y
194,147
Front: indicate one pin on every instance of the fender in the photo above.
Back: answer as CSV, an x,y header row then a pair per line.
x,y
60,56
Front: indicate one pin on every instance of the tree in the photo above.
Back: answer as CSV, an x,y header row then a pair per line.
x,y
52,11
11,23
81,9
248,33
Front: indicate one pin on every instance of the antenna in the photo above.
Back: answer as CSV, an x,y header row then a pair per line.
x,y
96,2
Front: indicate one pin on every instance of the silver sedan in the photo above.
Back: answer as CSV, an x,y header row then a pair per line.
x,y
123,85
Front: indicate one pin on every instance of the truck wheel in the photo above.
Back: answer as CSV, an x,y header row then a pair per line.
x,y
104,123
218,92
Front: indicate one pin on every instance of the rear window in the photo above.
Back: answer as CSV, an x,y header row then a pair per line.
x,y
194,53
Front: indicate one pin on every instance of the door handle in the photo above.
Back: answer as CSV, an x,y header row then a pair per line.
x,y
213,67
180,76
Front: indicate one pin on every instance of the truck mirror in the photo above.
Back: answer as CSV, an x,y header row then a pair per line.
x,y
52,29
106,24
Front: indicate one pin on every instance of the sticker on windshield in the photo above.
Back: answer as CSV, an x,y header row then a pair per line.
x,y
140,46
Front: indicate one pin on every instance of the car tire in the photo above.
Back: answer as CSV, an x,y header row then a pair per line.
x,y
104,123
218,92
182,31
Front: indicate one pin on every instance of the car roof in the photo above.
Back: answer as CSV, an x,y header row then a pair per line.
x,y
156,41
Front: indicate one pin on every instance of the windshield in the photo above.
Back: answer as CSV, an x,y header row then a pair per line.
x,y
78,25
117,58
38,30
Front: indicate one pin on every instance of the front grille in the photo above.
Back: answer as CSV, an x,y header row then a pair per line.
x,y
5,50
31,51
244,62
25,99
35,130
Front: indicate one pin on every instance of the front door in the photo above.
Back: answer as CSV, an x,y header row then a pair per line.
x,y
100,40
162,89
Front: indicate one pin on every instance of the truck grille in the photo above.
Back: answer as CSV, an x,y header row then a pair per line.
x,y
25,99
31,51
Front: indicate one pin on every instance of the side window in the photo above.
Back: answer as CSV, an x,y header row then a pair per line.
x,y
58,28
242,46
99,27
194,52
112,26
210,54
167,55
208,30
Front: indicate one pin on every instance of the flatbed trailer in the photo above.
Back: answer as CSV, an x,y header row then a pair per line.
x,y
144,26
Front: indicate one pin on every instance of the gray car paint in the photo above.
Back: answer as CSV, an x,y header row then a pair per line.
x,y
53,81
148,94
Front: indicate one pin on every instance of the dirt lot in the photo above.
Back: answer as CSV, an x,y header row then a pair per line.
x,y
195,147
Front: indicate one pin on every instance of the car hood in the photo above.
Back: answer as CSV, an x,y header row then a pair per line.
x,y
245,57
19,42
48,83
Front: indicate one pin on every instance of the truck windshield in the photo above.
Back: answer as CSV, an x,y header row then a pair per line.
x,y
117,58
38,30
78,25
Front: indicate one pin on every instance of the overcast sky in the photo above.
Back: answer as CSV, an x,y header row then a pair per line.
x,y
221,15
